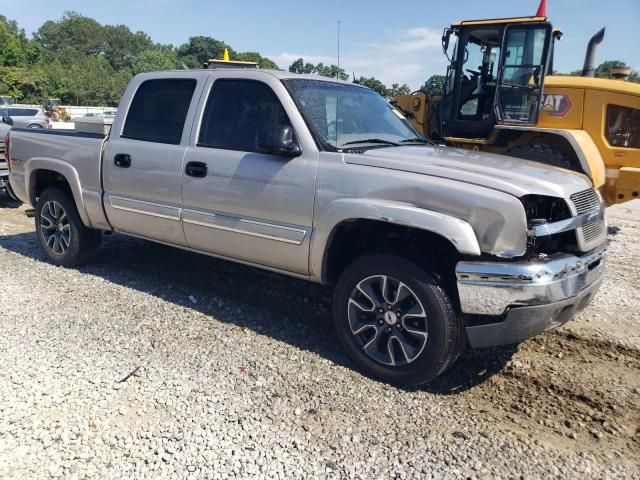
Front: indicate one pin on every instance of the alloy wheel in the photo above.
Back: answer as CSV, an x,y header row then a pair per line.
x,y
387,320
55,227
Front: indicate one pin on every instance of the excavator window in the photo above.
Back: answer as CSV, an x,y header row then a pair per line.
x,y
478,79
495,76
520,84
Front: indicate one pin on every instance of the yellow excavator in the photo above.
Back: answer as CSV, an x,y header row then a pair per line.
x,y
500,96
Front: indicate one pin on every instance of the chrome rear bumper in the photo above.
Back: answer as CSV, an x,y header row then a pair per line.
x,y
489,288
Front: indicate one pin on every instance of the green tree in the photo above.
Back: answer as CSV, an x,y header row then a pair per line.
x,y
374,84
122,47
299,66
397,89
11,49
434,85
604,70
33,52
200,49
10,84
153,60
331,71
73,30
263,62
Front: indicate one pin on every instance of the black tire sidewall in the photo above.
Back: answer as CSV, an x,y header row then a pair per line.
x,y
442,320
76,253
542,153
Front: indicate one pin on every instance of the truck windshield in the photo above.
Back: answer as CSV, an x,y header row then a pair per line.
x,y
350,116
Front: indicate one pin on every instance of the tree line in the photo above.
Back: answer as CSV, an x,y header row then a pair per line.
x,y
81,61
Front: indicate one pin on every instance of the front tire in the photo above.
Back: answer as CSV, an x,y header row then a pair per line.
x,y
62,235
395,321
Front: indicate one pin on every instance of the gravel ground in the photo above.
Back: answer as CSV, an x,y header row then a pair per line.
x,y
153,362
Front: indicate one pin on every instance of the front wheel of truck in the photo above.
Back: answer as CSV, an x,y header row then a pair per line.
x,y
395,321
63,236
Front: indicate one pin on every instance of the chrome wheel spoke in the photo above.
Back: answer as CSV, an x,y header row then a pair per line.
x,y
51,206
408,349
371,347
57,248
368,291
64,241
416,311
402,293
46,222
359,306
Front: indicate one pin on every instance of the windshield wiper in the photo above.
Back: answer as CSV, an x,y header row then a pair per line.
x,y
371,140
414,140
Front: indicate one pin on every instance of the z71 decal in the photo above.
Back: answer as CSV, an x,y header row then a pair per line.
x,y
556,105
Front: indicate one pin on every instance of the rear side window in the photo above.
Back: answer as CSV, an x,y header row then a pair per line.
x,y
158,110
236,111
23,112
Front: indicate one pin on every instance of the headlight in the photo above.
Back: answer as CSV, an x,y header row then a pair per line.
x,y
541,209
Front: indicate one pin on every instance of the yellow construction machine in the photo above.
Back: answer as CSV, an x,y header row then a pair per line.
x,y
499,96
226,62
55,111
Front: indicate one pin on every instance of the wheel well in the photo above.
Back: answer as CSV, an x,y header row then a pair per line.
x,y
43,179
510,139
353,238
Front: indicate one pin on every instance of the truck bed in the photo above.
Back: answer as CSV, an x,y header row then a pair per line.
x,y
78,154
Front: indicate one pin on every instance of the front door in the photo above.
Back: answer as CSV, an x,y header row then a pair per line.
x,y
523,64
239,202
142,163
466,109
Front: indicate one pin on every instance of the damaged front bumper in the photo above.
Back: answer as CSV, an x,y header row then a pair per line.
x,y
515,301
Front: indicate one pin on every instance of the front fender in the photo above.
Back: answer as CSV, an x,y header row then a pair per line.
x,y
456,231
63,168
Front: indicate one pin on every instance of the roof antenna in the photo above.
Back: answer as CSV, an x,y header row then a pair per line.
x,y
338,71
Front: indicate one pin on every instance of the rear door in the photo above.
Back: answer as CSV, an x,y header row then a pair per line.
x,y
525,52
239,202
142,162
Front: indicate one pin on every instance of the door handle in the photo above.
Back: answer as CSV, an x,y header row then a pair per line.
x,y
196,169
122,160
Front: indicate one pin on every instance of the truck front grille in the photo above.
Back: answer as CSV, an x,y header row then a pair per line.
x,y
592,234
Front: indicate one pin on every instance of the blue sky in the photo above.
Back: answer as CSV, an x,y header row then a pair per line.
x,y
397,42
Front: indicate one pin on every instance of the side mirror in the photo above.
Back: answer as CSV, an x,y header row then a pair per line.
x,y
278,140
7,120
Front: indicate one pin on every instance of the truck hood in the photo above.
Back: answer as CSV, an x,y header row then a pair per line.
x,y
511,175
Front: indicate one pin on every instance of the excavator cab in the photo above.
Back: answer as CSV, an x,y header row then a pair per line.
x,y
495,75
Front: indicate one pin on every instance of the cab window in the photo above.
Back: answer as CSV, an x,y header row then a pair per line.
x,y
236,112
158,110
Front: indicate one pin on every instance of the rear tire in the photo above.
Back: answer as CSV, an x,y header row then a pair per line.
x,y
543,154
406,336
62,235
34,125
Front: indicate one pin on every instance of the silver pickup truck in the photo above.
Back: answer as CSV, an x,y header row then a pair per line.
x,y
427,248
